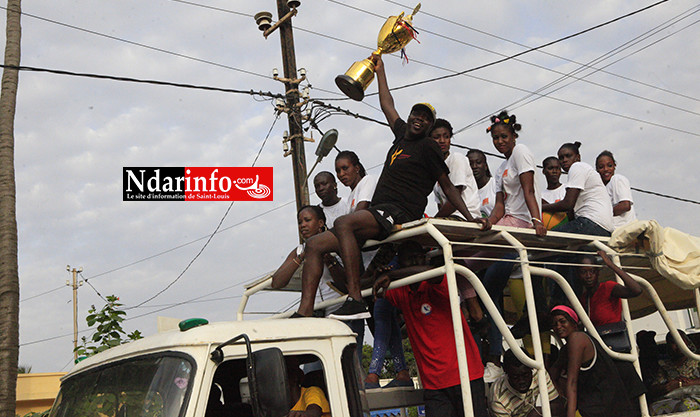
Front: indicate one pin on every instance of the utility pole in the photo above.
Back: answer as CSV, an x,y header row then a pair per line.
x,y
296,135
75,286
286,9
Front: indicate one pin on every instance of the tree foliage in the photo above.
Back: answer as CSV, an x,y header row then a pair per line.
x,y
388,371
109,331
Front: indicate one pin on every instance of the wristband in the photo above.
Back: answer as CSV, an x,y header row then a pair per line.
x,y
535,219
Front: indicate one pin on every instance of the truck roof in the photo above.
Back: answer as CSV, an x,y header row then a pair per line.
x,y
215,333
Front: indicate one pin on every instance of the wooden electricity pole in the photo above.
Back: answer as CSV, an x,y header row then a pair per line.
x,y
75,286
296,136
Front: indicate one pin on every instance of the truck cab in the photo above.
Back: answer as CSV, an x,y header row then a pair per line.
x,y
206,371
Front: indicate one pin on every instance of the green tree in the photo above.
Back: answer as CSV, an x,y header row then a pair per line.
x,y
109,331
388,371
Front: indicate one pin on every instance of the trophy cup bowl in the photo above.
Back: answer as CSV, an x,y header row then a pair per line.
x,y
394,35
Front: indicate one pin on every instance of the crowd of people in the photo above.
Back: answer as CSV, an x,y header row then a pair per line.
x,y
594,201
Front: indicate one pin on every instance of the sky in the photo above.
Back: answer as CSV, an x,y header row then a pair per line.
x,y
73,135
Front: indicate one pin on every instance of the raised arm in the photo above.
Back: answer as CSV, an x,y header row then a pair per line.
x,y
631,288
386,101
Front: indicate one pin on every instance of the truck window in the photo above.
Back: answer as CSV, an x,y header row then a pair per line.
x,y
149,386
229,394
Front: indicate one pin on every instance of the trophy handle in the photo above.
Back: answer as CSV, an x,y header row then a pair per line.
x,y
416,10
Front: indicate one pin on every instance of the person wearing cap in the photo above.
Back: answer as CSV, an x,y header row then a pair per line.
x,y
413,165
592,384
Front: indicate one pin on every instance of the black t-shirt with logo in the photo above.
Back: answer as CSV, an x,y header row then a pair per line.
x,y
411,169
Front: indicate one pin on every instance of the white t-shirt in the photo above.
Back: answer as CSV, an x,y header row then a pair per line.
x,y
619,190
552,196
333,212
487,195
593,202
364,190
461,175
508,181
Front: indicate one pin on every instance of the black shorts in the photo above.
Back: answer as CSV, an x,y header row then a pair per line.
x,y
388,215
447,402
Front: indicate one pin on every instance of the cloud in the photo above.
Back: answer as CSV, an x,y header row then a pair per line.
x,y
74,135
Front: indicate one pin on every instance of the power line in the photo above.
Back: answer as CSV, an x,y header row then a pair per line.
x,y
43,293
498,61
516,104
142,81
218,226
146,314
423,11
93,287
590,66
153,48
455,73
609,54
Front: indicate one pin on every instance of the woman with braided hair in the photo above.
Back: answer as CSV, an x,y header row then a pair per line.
x,y
518,197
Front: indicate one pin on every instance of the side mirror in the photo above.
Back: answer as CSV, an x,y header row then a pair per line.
x,y
269,388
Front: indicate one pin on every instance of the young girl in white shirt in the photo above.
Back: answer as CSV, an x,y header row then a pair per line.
x,y
518,198
618,188
585,194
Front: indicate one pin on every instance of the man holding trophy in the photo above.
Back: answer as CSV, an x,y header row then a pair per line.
x,y
413,165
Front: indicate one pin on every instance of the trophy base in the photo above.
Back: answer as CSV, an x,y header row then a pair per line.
x,y
350,87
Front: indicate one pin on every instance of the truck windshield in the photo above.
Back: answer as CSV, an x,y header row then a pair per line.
x,y
150,386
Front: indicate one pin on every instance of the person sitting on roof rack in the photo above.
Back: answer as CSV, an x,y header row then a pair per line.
x,y
555,191
484,180
426,310
462,177
618,188
518,197
412,166
312,221
585,195
327,190
518,201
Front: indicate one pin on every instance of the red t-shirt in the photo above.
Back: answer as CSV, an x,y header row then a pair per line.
x,y
429,323
604,307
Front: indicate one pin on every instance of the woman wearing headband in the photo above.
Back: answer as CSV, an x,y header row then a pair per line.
x,y
592,384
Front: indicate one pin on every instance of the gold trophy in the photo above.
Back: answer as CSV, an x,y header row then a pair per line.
x,y
396,33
